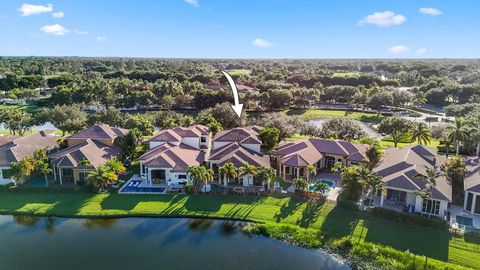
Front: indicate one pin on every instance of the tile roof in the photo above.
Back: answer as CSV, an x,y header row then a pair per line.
x,y
248,134
472,178
176,157
20,147
94,151
400,168
309,151
176,134
239,155
100,132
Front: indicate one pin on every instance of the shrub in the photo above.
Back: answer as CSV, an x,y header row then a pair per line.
x,y
408,219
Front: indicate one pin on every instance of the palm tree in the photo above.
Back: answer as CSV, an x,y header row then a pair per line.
x,y
321,187
458,133
247,170
311,170
200,176
102,177
116,166
228,171
300,183
431,175
419,98
44,168
421,133
266,174
373,182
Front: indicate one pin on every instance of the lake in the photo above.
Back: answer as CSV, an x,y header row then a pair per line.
x,y
146,243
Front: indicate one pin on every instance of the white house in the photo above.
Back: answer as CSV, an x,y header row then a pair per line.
x,y
471,202
402,171
171,152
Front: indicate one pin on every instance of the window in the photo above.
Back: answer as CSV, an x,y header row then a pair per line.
x,y
182,176
477,205
143,168
203,139
431,207
7,173
287,170
469,201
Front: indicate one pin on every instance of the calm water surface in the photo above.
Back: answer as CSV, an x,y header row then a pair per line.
x,y
145,243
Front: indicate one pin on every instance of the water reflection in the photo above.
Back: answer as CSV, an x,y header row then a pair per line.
x,y
103,223
146,243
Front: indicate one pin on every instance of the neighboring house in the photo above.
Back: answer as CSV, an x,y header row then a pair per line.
x,y
294,157
15,149
86,151
101,132
172,151
239,146
402,171
472,186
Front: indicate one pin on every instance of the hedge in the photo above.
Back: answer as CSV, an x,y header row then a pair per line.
x,y
433,221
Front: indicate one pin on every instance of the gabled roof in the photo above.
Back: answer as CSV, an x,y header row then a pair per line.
x,y
20,147
94,151
309,151
176,157
239,155
248,134
176,134
402,168
472,177
100,132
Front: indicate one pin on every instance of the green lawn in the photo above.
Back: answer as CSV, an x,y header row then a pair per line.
x,y
239,72
332,221
346,74
28,108
318,113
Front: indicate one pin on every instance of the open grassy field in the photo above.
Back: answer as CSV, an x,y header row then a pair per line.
x,y
239,72
28,108
333,222
319,113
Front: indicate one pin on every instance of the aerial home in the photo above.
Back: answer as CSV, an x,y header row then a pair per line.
x,y
171,152
86,151
239,146
16,148
294,157
472,186
403,171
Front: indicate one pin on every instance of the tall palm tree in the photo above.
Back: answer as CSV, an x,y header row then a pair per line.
x,y
300,183
200,176
116,166
372,181
458,133
247,170
266,174
311,170
228,171
431,175
421,133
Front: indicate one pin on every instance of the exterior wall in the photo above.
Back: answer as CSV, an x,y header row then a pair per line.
x,y
72,142
171,177
155,144
217,145
474,200
193,142
253,147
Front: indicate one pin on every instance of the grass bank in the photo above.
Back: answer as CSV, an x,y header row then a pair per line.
x,y
332,223
373,118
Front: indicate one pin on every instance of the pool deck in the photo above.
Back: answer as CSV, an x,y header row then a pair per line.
x,y
337,184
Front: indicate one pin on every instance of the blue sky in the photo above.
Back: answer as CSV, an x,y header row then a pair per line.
x,y
242,28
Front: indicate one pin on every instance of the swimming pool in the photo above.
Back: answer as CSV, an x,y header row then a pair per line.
x,y
133,187
330,184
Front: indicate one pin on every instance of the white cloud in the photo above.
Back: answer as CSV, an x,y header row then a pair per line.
x,y
55,29
101,39
59,14
399,49
29,9
421,51
431,11
81,32
384,18
192,2
262,43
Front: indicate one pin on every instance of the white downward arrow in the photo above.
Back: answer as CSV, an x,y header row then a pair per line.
x,y
237,107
